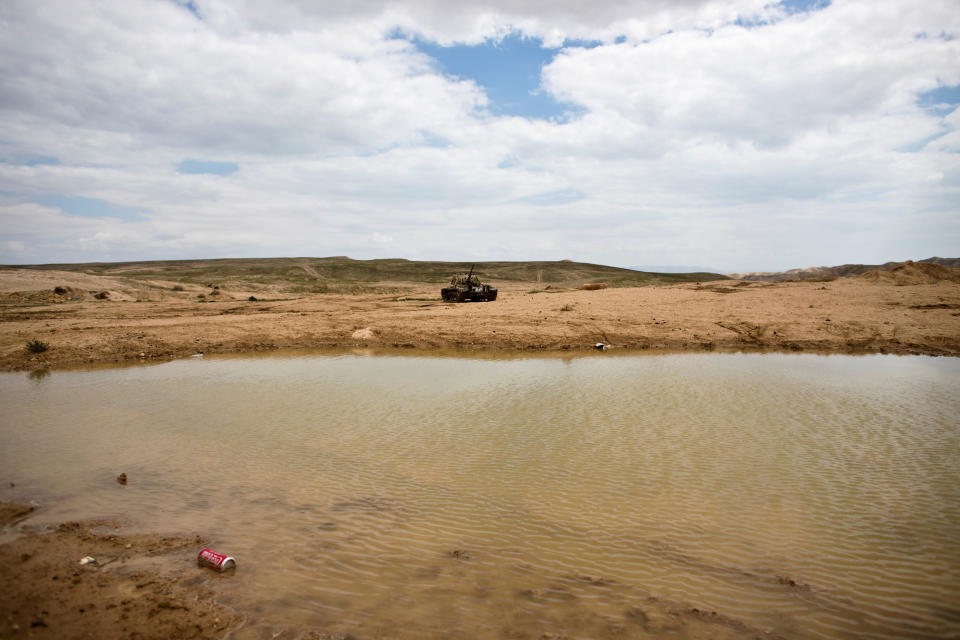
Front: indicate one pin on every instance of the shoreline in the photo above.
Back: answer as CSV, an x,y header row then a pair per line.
x,y
149,586
130,585
133,360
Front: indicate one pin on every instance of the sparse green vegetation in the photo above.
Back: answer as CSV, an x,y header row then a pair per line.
x,y
341,275
37,346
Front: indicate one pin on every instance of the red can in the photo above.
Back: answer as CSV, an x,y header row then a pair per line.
x,y
214,560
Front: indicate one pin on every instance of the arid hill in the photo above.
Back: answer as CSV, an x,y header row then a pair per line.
x,y
829,273
914,273
340,274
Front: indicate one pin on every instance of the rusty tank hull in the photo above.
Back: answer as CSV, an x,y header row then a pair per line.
x,y
466,287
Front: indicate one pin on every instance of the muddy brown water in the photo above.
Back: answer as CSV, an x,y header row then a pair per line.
x,y
608,496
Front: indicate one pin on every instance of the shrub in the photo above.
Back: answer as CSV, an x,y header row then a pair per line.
x,y
103,295
177,287
59,290
37,346
252,298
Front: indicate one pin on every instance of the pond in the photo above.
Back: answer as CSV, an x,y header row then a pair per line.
x,y
604,496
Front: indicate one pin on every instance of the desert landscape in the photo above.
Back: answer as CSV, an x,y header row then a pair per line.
x,y
470,425
88,314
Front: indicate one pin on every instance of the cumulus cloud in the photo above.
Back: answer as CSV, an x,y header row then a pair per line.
x,y
763,85
153,75
728,132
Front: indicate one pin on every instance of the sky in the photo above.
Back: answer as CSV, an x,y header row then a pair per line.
x,y
745,135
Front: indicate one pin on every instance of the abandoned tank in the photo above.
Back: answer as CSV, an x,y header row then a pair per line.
x,y
466,287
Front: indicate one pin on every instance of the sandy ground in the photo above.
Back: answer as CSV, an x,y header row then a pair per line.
x,y
915,310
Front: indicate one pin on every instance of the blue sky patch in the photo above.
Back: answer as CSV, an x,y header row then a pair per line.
x,y
190,6
88,207
792,7
941,95
583,44
803,6
508,71
940,101
433,140
191,166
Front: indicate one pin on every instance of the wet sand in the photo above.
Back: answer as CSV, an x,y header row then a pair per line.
x,y
914,311
148,586
137,586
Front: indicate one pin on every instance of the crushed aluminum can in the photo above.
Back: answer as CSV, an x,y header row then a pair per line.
x,y
214,560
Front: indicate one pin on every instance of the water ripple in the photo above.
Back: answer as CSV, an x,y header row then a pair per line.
x,y
815,497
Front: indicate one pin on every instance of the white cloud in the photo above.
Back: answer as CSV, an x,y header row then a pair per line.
x,y
795,143
168,80
473,21
761,85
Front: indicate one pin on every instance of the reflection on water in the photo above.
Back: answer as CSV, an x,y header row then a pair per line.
x,y
805,496
38,374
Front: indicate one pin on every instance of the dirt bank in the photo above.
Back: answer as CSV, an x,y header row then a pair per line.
x,y
897,313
